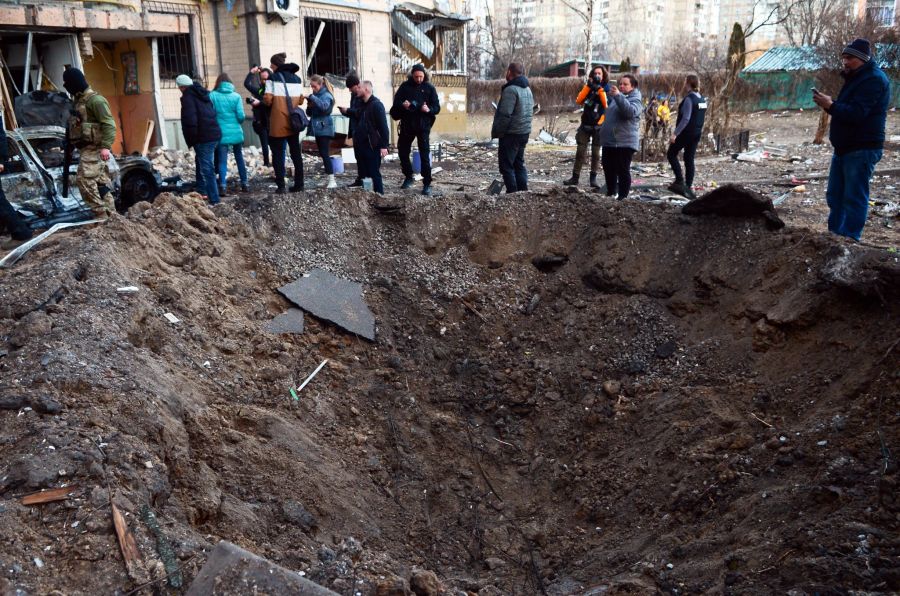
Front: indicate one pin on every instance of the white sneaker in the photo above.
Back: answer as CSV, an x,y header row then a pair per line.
x,y
331,182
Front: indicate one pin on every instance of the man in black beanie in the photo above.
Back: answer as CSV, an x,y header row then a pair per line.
x,y
352,113
858,118
416,105
92,129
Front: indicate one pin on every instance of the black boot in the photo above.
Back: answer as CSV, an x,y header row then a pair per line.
x,y
406,184
573,181
678,188
594,181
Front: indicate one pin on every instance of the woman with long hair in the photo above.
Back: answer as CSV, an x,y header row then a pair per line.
x,y
321,103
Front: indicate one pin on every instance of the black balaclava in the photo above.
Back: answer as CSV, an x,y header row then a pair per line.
x,y
74,81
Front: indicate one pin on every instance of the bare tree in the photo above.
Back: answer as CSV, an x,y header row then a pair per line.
x,y
512,40
806,22
585,11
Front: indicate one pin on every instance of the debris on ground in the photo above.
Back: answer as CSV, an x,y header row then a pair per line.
x,y
732,200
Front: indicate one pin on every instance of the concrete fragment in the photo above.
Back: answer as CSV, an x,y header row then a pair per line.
x,y
333,299
290,321
233,571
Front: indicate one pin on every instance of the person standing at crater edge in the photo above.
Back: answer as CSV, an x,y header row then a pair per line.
x,y
858,119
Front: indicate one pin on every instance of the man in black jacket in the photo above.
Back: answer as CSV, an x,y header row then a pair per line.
x,y
352,82
416,105
201,131
370,135
687,134
17,228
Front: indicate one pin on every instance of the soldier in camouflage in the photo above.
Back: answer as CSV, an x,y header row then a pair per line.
x,y
92,130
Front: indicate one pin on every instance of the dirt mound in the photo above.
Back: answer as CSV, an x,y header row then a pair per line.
x,y
565,395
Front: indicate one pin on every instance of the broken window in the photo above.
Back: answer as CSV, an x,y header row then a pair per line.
x,y
49,150
330,43
434,39
176,56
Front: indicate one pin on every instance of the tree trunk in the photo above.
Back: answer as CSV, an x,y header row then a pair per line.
x,y
588,34
822,129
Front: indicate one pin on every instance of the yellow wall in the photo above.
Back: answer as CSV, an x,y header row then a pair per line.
x,y
106,75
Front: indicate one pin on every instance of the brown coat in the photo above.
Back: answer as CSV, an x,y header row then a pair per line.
x,y
276,99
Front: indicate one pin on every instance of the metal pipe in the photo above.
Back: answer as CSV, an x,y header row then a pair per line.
x,y
27,77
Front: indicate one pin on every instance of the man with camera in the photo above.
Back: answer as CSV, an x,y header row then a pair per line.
x,y
593,98
255,83
416,105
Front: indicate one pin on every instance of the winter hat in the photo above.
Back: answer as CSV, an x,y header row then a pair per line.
x,y
183,80
74,81
278,59
859,48
417,67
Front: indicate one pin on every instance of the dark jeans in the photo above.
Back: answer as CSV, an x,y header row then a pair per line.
x,y
512,162
368,161
404,147
9,219
324,145
617,170
204,156
278,155
848,191
264,141
690,149
356,156
222,163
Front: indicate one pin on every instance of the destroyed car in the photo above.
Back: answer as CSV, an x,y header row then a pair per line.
x,y
33,180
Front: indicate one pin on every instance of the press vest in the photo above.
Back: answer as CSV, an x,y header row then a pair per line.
x,y
698,115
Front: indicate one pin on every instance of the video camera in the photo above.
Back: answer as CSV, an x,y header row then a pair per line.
x,y
249,100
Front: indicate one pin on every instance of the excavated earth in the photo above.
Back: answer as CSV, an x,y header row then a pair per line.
x,y
566,395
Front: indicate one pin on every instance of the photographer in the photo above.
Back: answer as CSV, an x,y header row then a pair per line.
x,y
416,105
255,83
593,98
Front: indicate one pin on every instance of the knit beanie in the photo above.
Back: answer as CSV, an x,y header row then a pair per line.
x,y
417,67
183,80
859,48
74,81
279,59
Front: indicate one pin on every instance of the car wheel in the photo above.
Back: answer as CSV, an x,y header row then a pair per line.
x,y
138,186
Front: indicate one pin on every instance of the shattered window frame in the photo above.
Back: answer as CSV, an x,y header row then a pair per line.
x,y
350,60
404,55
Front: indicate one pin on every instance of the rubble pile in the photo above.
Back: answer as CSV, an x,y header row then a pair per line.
x,y
174,162
564,394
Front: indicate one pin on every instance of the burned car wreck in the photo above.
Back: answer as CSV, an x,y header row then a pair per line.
x,y
33,177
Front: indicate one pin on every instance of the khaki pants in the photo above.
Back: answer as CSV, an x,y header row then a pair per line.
x,y
93,182
582,138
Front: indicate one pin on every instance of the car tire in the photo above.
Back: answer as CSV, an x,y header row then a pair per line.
x,y
138,186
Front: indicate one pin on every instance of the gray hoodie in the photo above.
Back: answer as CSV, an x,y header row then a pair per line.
x,y
621,128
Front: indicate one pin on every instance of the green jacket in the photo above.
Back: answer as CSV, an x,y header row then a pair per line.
x,y
98,112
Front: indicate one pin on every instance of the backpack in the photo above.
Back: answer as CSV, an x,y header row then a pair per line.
x,y
298,118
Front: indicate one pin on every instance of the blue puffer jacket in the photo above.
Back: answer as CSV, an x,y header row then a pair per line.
x,y
320,104
229,113
859,114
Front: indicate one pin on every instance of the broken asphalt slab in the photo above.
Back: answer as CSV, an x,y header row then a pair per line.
x,y
333,299
290,321
233,571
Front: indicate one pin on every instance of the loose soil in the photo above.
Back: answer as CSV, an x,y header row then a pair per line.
x,y
567,395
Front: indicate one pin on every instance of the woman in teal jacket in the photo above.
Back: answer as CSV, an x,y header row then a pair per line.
x,y
229,115
321,124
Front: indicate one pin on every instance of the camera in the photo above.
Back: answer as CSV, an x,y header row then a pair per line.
x,y
413,105
250,100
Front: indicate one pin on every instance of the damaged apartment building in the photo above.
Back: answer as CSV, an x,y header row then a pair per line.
x,y
132,50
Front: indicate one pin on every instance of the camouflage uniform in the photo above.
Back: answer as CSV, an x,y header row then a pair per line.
x,y
92,128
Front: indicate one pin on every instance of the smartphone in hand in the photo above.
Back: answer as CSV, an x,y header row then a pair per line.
x,y
815,91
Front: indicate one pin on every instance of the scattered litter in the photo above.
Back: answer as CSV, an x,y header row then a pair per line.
x,y
290,321
128,290
148,464
331,298
547,137
48,496
822,443
801,188
39,563
11,259
128,546
172,318
310,377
